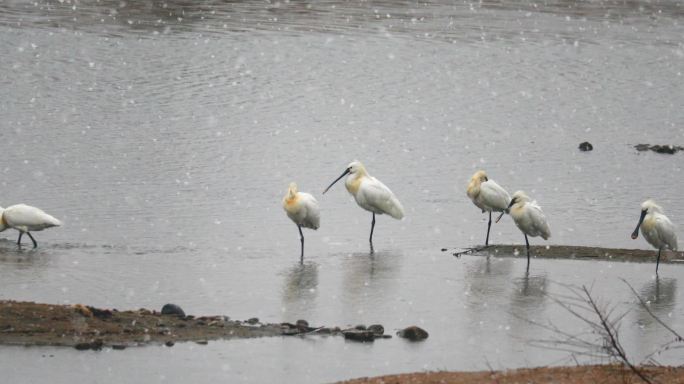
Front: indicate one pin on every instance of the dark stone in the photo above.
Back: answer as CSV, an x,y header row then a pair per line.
x,y
119,347
202,342
377,329
302,325
172,309
95,345
586,146
169,343
413,333
100,313
358,335
668,149
253,320
360,327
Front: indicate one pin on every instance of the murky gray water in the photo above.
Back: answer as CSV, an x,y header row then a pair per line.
x,y
165,138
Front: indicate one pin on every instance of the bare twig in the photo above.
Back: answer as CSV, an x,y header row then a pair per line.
x,y
611,332
645,306
469,251
603,338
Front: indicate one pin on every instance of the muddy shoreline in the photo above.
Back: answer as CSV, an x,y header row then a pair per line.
x,y
572,252
85,327
583,374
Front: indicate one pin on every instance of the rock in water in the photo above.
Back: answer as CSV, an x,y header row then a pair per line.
x,y
358,335
413,333
302,325
172,309
377,329
668,149
586,146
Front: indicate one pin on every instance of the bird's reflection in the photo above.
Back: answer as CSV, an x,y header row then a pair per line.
x,y
659,294
13,257
300,289
370,276
529,292
485,277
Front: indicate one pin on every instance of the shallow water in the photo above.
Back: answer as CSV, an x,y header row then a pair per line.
x,y
165,139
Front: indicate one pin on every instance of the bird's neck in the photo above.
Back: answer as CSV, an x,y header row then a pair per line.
x,y
473,189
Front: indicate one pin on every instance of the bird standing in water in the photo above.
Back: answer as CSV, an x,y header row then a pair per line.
x,y
302,208
25,219
529,218
487,195
370,194
657,229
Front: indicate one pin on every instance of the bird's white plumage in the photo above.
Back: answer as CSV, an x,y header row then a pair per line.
x,y
657,228
374,196
486,194
493,197
26,218
370,193
529,217
302,208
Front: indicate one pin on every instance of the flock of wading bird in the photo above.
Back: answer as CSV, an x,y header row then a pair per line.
x,y
374,196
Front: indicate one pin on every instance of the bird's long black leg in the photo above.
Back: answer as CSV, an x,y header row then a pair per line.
x,y
658,260
19,239
35,244
527,243
371,234
301,238
489,226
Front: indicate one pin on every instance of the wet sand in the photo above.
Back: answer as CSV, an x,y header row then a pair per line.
x,y
606,374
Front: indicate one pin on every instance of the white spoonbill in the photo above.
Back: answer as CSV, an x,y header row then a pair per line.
x,y
370,194
487,195
657,229
25,218
302,208
529,218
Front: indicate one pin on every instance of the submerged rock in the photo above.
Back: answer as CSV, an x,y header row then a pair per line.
x,y
667,149
358,335
586,146
377,329
172,309
413,333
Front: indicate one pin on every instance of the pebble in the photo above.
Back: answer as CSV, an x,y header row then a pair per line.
x,y
586,146
413,333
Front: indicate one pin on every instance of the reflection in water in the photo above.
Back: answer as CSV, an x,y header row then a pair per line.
x,y
528,299
13,257
369,277
300,290
486,276
659,294
528,296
